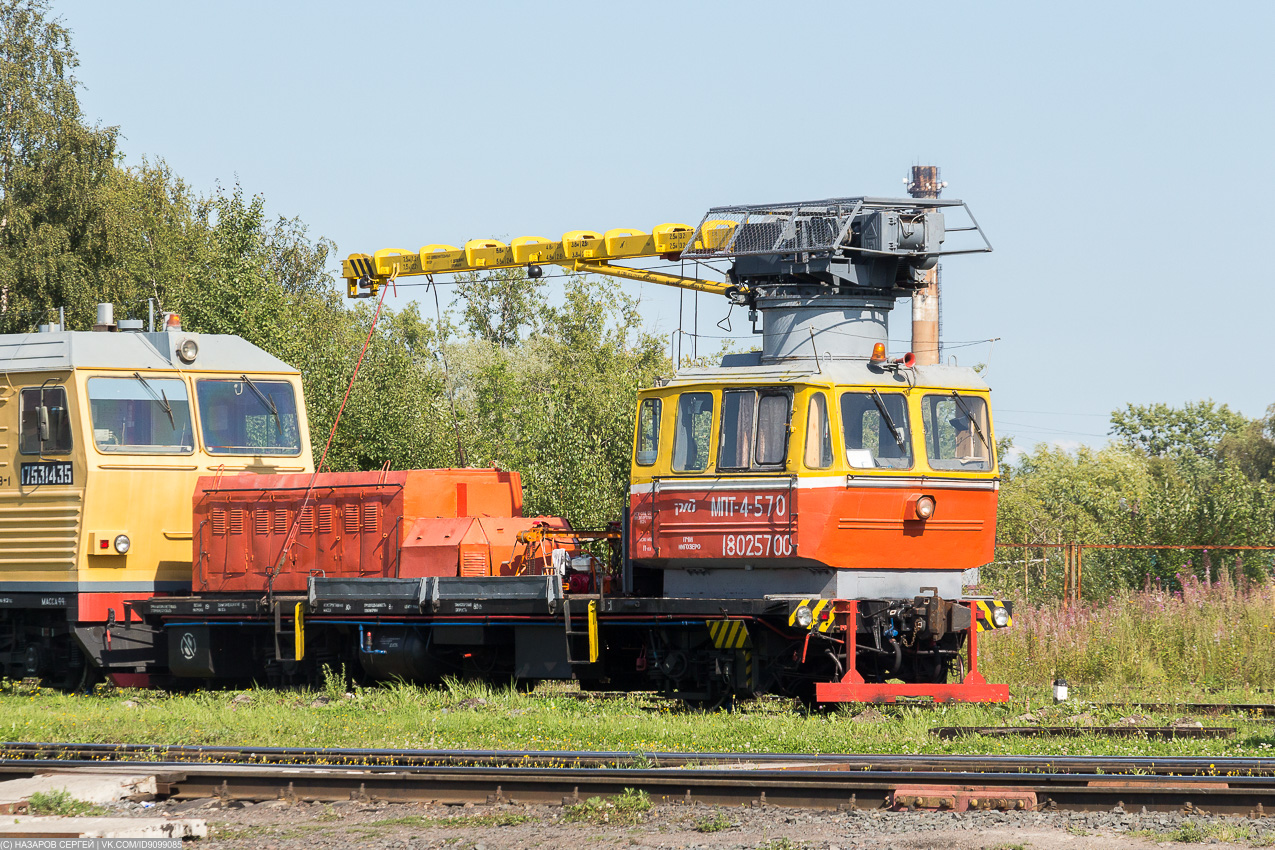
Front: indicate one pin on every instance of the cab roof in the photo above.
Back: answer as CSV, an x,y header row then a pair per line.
x,y
61,351
847,372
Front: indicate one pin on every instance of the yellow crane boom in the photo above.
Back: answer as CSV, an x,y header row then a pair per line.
x,y
578,250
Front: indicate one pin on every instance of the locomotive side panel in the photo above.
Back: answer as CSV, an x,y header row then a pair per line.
x,y
41,494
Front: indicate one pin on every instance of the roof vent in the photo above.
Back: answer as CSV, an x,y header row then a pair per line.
x,y
105,317
133,325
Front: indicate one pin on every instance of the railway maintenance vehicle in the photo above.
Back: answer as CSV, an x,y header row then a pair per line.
x,y
800,518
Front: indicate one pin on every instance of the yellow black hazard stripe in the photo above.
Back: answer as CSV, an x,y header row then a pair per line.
x,y
821,614
733,634
729,634
983,609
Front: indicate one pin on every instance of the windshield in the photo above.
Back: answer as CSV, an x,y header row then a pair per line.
x,y
875,427
140,415
956,432
238,416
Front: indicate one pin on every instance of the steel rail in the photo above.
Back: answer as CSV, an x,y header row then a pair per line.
x,y
110,754
800,788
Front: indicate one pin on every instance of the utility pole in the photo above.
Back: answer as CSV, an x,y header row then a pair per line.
x,y
925,301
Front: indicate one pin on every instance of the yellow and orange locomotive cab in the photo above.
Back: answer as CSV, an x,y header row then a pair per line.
x,y
106,434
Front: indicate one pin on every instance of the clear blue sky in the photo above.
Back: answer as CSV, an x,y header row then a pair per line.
x,y
1118,155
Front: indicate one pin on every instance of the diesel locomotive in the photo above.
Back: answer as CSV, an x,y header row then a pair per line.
x,y
800,519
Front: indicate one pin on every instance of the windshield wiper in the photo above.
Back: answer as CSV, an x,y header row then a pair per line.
x,y
970,416
160,398
267,402
885,414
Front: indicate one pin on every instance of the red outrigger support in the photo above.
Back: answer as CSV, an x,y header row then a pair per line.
x,y
852,687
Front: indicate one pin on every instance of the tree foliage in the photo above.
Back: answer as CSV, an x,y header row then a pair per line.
x,y
1197,476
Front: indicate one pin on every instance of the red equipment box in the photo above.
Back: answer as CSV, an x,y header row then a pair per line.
x,y
423,522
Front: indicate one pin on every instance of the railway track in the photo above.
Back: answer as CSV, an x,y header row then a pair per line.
x,y
15,752
1232,786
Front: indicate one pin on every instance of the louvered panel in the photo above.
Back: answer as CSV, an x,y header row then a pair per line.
x,y
473,564
261,522
325,519
280,521
219,522
307,519
350,515
40,531
236,522
372,518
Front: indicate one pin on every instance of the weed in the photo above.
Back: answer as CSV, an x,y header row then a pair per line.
x,y
780,844
333,682
60,802
641,761
621,810
716,823
1007,847
1195,832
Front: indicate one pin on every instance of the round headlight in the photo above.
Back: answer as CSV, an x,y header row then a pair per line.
x,y
188,350
1000,618
805,617
122,543
925,507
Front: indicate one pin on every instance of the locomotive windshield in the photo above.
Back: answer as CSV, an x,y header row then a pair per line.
x,y
956,432
141,415
875,427
241,416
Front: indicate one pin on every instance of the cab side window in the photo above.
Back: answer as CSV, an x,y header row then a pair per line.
x,y
774,411
875,428
735,451
818,433
754,431
691,436
46,423
648,432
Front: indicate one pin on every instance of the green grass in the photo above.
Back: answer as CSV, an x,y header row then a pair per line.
x,y
624,809
716,823
401,716
61,803
1194,832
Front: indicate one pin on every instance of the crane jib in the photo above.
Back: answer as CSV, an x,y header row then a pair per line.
x,y
577,247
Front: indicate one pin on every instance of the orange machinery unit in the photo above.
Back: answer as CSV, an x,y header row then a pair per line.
x,y
425,522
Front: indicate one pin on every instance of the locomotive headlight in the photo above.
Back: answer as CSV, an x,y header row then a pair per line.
x,y
122,543
1000,618
188,350
805,617
925,507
